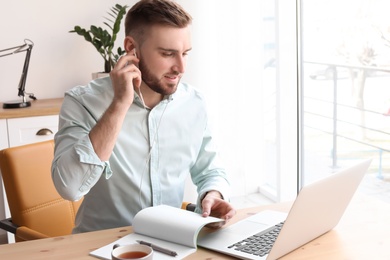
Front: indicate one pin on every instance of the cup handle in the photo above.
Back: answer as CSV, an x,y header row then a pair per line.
x,y
115,246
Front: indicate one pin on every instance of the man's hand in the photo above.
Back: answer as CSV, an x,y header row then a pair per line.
x,y
126,77
214,205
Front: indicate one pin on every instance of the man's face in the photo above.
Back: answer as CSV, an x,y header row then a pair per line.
x,y
163,57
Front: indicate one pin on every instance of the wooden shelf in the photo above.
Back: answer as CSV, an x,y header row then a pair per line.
x,y
39,107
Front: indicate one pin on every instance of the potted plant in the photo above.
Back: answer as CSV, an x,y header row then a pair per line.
x,y
103,40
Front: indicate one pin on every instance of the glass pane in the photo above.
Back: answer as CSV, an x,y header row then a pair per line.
x,y
345,86
269,102
279,102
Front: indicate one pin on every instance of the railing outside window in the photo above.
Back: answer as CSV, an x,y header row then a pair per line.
x,y
348,108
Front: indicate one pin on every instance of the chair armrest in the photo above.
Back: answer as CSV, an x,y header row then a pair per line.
x,y
188,206
7,225
26,234
22,233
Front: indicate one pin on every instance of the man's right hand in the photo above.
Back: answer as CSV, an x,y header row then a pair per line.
x,y
126,77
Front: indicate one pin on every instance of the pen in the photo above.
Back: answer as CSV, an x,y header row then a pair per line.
x,y
158,249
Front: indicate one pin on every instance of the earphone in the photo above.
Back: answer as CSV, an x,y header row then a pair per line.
x,y
140,93
147,160
149,155
135,52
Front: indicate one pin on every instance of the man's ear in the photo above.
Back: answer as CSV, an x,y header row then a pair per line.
x,y
129,44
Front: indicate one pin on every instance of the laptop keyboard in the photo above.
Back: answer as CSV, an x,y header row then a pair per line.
x,y
259,244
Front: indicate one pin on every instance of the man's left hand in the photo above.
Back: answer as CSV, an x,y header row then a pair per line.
x,y
213,205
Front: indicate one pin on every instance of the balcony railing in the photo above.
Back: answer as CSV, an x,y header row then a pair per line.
x,y
331,74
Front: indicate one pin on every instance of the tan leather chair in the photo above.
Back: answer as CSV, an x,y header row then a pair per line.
x,y
37,210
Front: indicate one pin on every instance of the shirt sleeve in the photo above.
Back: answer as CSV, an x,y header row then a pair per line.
x,y
208,173
76,168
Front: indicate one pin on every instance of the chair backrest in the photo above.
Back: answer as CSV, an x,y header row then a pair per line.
x,y
32,198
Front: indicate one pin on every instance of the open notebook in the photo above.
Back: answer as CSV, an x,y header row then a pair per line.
x,y
164,226
316,210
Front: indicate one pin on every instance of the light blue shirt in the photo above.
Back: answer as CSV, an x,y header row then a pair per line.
x,y
155,152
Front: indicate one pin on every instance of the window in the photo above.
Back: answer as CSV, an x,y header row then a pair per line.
x,y
244,59
345,86
280,102
297,89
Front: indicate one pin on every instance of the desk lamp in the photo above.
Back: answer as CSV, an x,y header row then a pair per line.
x,y
26,47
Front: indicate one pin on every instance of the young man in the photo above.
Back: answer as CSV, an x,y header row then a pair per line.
x,y
129,141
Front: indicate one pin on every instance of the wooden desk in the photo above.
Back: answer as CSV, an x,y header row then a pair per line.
x,y
363,233
39,107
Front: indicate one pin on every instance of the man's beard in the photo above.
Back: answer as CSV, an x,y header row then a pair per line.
x,y
154,83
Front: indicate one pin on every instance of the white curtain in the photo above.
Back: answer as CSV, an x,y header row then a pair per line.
x,y
226,63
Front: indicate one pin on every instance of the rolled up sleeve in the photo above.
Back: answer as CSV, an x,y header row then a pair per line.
x,y
78,169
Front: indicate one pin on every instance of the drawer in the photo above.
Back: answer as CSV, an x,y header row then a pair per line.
x,y
28,130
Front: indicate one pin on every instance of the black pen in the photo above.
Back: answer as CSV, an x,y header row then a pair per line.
x,y
158,249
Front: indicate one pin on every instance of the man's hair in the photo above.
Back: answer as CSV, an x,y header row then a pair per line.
x,y
146,13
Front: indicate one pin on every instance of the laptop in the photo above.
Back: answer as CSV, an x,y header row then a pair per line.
x,y
317,209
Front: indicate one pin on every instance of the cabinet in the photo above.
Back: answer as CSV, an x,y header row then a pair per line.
x,y
24,126
29,130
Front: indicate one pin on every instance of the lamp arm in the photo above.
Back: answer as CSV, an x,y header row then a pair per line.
x,y
18,49
26,47
21,48
23,77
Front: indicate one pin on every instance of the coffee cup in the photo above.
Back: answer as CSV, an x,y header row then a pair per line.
x,y
132,251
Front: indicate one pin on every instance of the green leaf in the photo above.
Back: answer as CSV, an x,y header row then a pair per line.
x,y
101,39
87,37
109,26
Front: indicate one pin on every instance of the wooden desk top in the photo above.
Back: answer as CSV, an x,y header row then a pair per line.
x,y
363,233
39,107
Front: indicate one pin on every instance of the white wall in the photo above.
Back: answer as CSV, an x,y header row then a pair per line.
x,y
59,59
